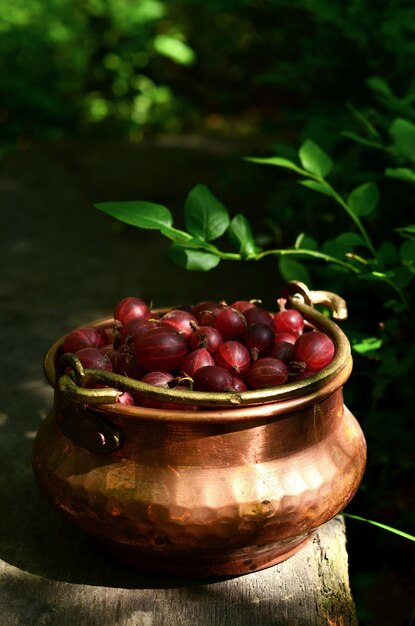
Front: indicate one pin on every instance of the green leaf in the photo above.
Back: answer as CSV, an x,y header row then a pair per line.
x,y
389,528
368,126
278,162
241,237
401,173
403,133
305,241
319,187
180,236
193,260
205,216
380,85
290,269
373,276
138,213
364,199
397,306
407,252
350,240
402,275
363,141
174,49
314,159
388,253
365,345
334,248
176,235
406,230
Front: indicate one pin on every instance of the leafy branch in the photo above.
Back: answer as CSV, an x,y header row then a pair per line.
x,y
207,220
317,165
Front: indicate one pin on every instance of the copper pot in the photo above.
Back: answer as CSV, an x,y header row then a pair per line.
x,y
237,486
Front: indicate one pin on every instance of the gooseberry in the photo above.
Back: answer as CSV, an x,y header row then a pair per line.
x,y
238,384
87,337
234,357
244,305
212,378
314,350
257,315
125,398
159,379
229,322
160,348
195,360
183,322
289,321
129,308
206,337
282,350
267,372
134,328
92,358
284,337
259,338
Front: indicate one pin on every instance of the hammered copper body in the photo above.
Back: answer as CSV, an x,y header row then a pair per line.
x,y
211,492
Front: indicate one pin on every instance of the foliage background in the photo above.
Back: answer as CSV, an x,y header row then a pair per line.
x,y
138,67
271,74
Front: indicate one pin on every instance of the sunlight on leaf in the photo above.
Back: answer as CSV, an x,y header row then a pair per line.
x,y
205,216
314,159
401,173
174,49
315,186
384,526
278,162
138,213
193,260
241,237
364,345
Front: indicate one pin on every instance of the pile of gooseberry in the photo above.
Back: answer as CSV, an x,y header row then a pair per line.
x,y
211,346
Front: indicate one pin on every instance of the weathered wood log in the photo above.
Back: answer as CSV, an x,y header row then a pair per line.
x,y
309,589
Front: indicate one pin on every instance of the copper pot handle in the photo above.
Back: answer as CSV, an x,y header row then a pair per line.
x,y
296,290
72,384
74,417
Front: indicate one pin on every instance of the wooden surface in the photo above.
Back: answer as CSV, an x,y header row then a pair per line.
x,y
309,589
63,264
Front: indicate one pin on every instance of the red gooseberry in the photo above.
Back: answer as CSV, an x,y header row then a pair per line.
x,y
129,308
267,372
87,337
314,350
234,357
289,321
212,378
160,348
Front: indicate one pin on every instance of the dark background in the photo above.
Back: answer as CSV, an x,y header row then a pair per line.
x,y
118,100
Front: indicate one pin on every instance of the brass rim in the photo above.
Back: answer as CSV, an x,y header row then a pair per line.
x,y
238,414
305,389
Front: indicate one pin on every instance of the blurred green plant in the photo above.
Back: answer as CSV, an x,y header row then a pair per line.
x,y
128,68
67,65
